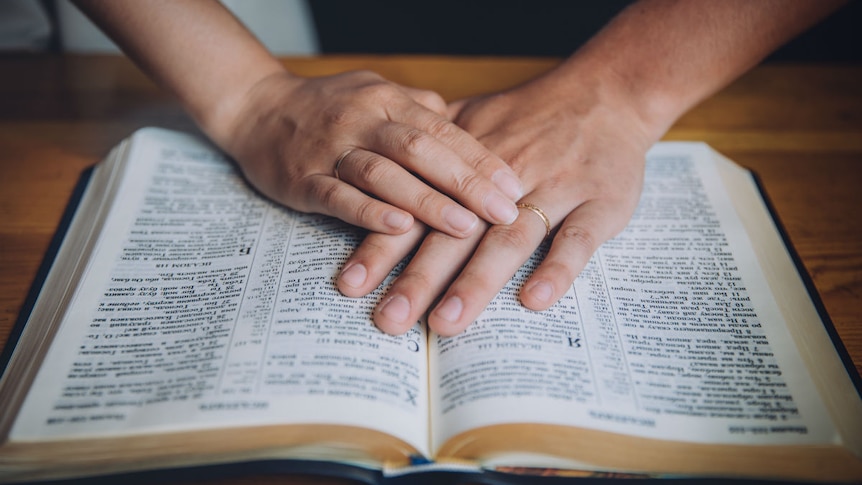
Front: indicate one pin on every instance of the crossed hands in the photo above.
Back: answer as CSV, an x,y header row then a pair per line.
x,y
446,179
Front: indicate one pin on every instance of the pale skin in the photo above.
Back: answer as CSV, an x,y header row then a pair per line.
x,y
286,132
577,138
571,142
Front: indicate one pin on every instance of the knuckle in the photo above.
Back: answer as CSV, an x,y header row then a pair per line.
x,y
365,211
429,95
577,237
431,100
426,201
474,284
415,278
374,247
560,271
484,161
414,141
327,194
373,170
468,184
509,236
379,91
442,128
519,162
339,115
352,81
365,75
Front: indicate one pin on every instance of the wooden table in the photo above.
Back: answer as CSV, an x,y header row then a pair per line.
x,y
798,126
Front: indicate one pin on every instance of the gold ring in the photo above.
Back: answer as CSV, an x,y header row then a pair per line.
x,y
338,162
539,212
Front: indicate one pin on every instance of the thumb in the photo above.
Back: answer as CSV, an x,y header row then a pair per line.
x,y
455,107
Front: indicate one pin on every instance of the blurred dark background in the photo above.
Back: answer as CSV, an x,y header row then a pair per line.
x,y
454,27
524,28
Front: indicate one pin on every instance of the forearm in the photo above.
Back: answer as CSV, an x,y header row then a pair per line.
x,y
665,56
195,49
577,137
289,135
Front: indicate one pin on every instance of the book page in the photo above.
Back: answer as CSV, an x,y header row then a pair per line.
x,y
206,305
670,332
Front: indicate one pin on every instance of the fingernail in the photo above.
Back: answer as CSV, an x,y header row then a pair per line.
x,y
542,291
397,220
501,209
509,184
396,309
459,218
354,275
450,310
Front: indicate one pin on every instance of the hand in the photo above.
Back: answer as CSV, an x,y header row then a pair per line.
x,y
291,131
577,137
581,158
353,146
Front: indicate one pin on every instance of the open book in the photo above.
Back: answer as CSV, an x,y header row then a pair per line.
x,y
188,322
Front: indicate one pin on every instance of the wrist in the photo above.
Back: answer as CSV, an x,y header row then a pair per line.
x,y
644,104
604,101
227,115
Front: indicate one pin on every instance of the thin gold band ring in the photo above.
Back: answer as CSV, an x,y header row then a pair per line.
x,y
338,162
539,212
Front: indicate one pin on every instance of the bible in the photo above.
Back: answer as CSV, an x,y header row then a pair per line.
x,y
187,323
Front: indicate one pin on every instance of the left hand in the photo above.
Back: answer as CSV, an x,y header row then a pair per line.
x,y
403,158
580,155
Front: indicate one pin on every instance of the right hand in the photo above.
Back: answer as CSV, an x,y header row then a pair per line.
x,y
578,146
404,158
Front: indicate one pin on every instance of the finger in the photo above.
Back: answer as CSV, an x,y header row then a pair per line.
x,y
442,168
432,268
454,108
474,152
428,99
374,259
390,182
502,251
332,197
579,236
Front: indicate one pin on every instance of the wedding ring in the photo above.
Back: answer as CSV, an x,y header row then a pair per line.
x,y
338,162
539,212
